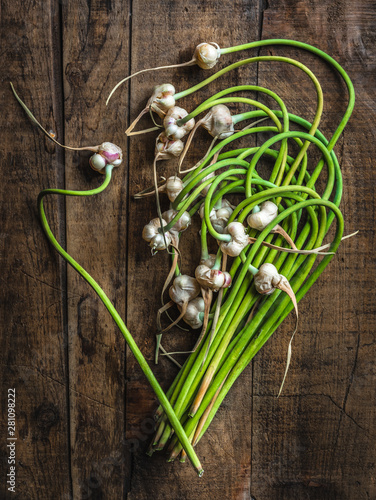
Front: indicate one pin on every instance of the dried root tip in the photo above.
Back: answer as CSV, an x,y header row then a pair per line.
x,y
172,130
173,265
279,229
180,65
161,310
188,143
183,310
206,55
218,122
147,192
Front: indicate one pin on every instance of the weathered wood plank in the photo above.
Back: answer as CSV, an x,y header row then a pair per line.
x,y
33,335
95,37
171,37
317,440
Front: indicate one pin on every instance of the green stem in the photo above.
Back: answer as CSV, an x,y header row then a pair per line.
x,y
116,317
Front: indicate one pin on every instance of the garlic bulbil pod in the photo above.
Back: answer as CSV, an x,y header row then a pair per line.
x,y
206,55
183,222
218,122
162,99
151,234
260,219
220,216
174,186
166,148
268,279
239,239
172,130
195,313
212,278
108,154
263,215
184,289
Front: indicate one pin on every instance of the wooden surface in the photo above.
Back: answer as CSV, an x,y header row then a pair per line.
x,y
83,406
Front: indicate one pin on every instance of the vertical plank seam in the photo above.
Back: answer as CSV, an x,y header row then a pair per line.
x,y
64,238
263,5
127,480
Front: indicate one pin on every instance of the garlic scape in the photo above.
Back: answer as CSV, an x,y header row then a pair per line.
x,y
161,100
263,215
239,239
156,240
183,290
172,187
211,280
218,122
105,154
219,216
174,131
194,315
206,56
267,280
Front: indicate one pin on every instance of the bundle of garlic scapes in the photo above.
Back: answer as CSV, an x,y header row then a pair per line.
x,y
268,236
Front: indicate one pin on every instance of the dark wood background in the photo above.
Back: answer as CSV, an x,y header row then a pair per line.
x,y
83,406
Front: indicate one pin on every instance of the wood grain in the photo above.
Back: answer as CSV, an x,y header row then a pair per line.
x,y
95,50
33,292
84,407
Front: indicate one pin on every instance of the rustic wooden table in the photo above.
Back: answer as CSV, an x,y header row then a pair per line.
x,y
83,407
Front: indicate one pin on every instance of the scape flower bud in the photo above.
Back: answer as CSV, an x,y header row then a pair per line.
x,y
108,154
239,239
166,148
162,99
155,239
212,278
172,130
206,55
181,225
218,122
195,313
259,220
174,185
184,289
268,279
